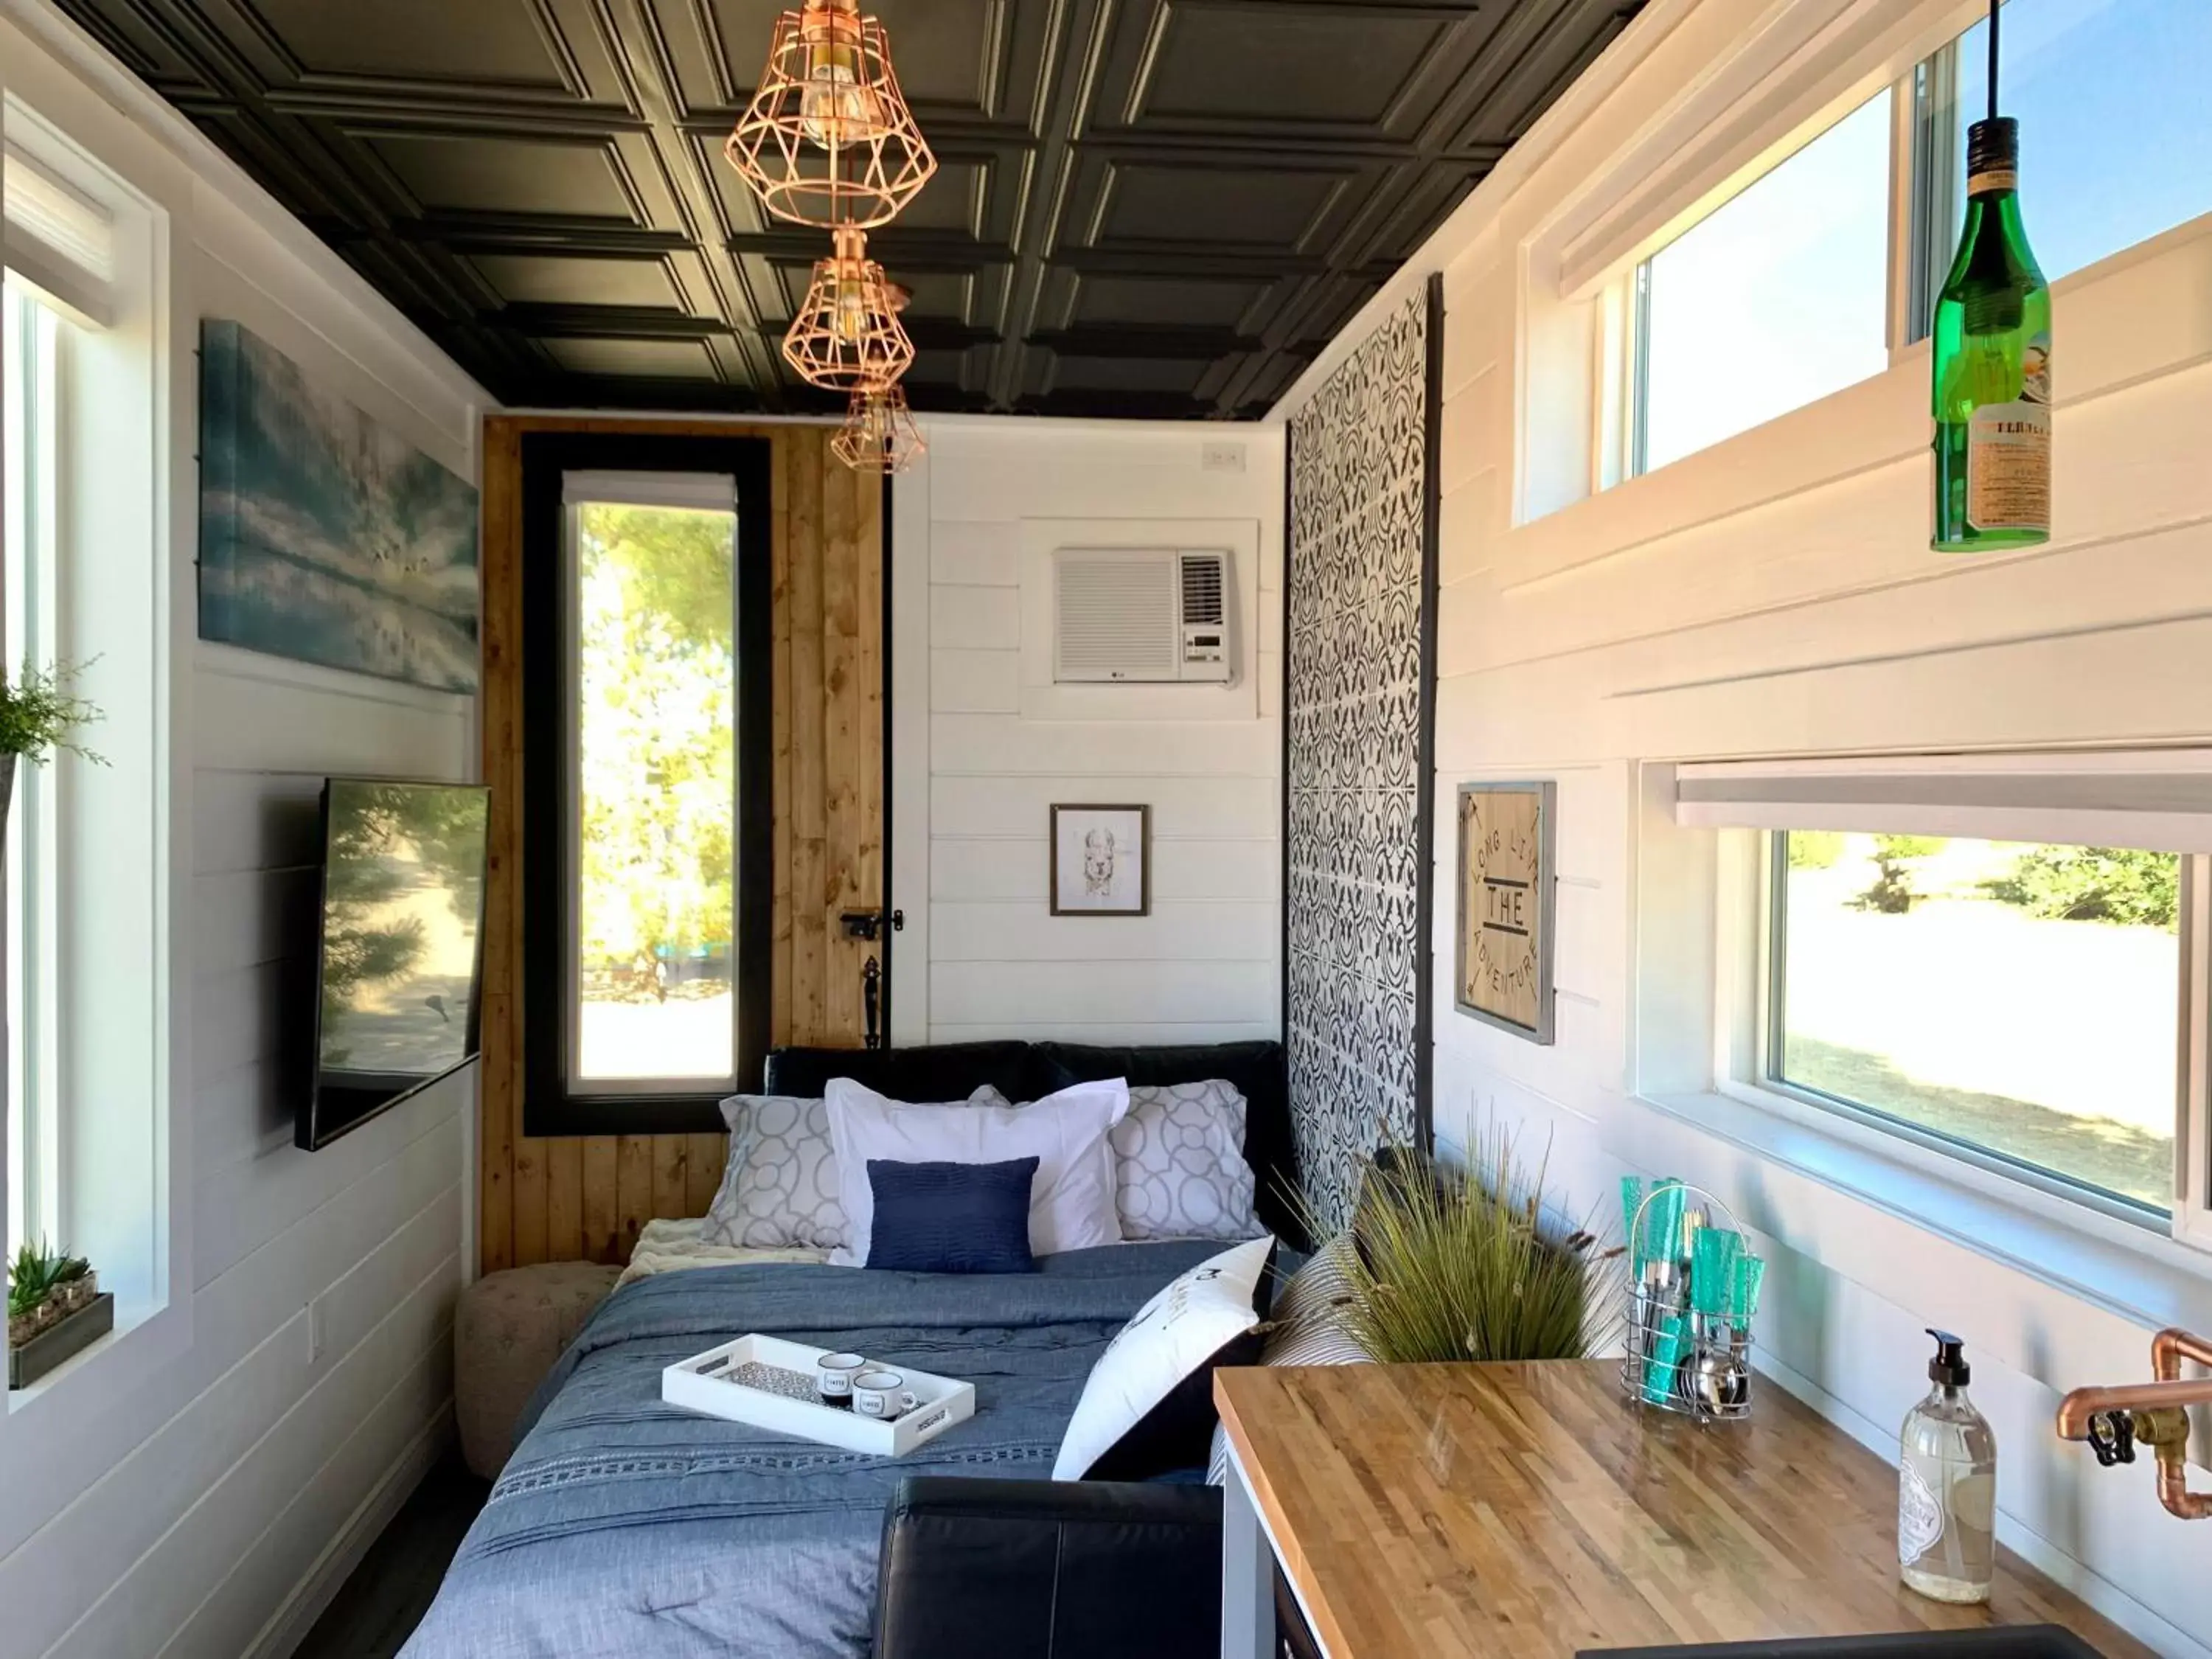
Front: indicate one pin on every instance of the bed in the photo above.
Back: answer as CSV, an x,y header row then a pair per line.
x,y
625,1527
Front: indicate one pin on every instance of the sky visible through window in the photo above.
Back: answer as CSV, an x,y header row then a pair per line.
x,y
1779,298
2115,126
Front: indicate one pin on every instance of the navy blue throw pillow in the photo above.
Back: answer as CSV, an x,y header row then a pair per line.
x,y
951,1218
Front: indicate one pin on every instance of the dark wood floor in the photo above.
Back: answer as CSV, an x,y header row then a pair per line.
x,y
377,1609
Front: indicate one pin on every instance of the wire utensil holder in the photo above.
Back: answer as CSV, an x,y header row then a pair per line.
x,y
1687,1348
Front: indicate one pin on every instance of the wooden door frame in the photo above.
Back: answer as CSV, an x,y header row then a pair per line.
x,y
570,1197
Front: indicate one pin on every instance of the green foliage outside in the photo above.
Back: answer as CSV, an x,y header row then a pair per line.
x,y
1474,1265
659,708
2121,884
1893,894
1815,849
39,714
36,1274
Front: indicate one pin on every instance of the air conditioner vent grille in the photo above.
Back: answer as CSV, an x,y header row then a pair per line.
x,y
1116,620
1201,590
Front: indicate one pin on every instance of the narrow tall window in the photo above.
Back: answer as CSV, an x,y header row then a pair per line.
x,y
647,813
29,414
656,804
88,589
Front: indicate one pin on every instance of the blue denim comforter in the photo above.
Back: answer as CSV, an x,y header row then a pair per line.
x,y
625,1527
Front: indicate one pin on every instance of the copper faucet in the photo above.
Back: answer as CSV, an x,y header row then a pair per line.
x,y
2113,1419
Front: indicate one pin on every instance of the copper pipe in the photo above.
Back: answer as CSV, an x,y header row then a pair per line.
x,y
2174,1487
2076,1410
2167,1350
2171,1346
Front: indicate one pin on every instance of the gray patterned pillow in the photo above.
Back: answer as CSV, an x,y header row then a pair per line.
x,y
1179,1168
779,1188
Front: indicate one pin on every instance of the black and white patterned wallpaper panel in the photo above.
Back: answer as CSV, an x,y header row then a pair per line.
x,y
1357,790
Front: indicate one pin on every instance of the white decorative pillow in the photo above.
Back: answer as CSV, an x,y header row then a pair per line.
x,y
1308,1330
1148,1405
779,1188
1072,1199
1179,1168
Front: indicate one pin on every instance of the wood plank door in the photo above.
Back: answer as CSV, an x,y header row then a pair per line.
x,y
586,1197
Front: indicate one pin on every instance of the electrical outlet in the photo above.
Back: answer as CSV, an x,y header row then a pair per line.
x,y
1221,458
315,1332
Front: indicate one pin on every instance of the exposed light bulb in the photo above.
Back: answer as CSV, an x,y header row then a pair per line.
x,y
828,91
835,109
851,317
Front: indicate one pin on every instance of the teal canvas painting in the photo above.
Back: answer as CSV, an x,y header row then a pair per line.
x,y
325,536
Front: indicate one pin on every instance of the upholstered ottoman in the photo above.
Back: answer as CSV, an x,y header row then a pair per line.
x,y
510,1328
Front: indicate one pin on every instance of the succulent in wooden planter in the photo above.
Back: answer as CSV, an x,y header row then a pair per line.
x,y
45,1287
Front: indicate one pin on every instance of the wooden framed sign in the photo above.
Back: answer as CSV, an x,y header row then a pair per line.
x,y
1506,885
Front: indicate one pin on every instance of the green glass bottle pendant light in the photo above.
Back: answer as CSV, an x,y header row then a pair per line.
x,y
1992,358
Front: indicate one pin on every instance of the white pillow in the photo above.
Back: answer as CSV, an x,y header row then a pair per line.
x,y
1174,1335
1072,1199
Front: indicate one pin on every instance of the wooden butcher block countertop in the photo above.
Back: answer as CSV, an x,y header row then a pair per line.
x,y
1526,1510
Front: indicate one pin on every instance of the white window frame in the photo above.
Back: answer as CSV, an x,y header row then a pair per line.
x,y
1620,405
2141,798
117,1176
1766,93
2193,992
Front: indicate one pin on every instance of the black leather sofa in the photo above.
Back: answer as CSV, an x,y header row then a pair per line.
x,y
1044,1568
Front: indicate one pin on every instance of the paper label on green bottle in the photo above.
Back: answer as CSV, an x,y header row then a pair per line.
x,y
2008,466
1919,1516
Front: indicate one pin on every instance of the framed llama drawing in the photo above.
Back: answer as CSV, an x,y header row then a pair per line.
x,y
1102,860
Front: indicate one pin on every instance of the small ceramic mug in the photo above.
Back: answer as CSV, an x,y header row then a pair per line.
x,y
833,1378
882,1394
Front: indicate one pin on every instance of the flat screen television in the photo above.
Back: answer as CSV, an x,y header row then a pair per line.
x,y
399,947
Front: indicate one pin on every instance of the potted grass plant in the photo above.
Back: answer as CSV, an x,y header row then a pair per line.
x,y
1474,1264
39,714
56,1310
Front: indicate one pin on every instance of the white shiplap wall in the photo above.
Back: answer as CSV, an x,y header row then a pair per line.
x,y
1774,596
211,1511
974,777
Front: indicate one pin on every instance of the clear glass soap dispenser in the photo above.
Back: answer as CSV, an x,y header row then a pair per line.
x,y
1946,1486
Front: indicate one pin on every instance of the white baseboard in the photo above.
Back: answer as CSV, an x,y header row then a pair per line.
x,y
290,1625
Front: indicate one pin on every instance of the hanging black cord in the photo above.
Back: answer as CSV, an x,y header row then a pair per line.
x,y
1993,4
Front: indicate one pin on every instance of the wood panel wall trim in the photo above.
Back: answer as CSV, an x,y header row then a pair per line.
x,y
586,1197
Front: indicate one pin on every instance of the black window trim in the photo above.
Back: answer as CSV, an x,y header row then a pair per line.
x,y
550,1107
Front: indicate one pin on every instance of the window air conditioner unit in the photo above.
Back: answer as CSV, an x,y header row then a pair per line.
x,y
1140,616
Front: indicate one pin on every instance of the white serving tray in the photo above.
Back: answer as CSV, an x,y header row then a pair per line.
x,y
697,1384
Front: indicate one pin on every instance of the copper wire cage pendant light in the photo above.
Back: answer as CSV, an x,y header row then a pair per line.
x,y
828,139
879,434
847,336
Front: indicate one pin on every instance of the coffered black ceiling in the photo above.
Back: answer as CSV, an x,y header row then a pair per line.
x,y
1145,207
